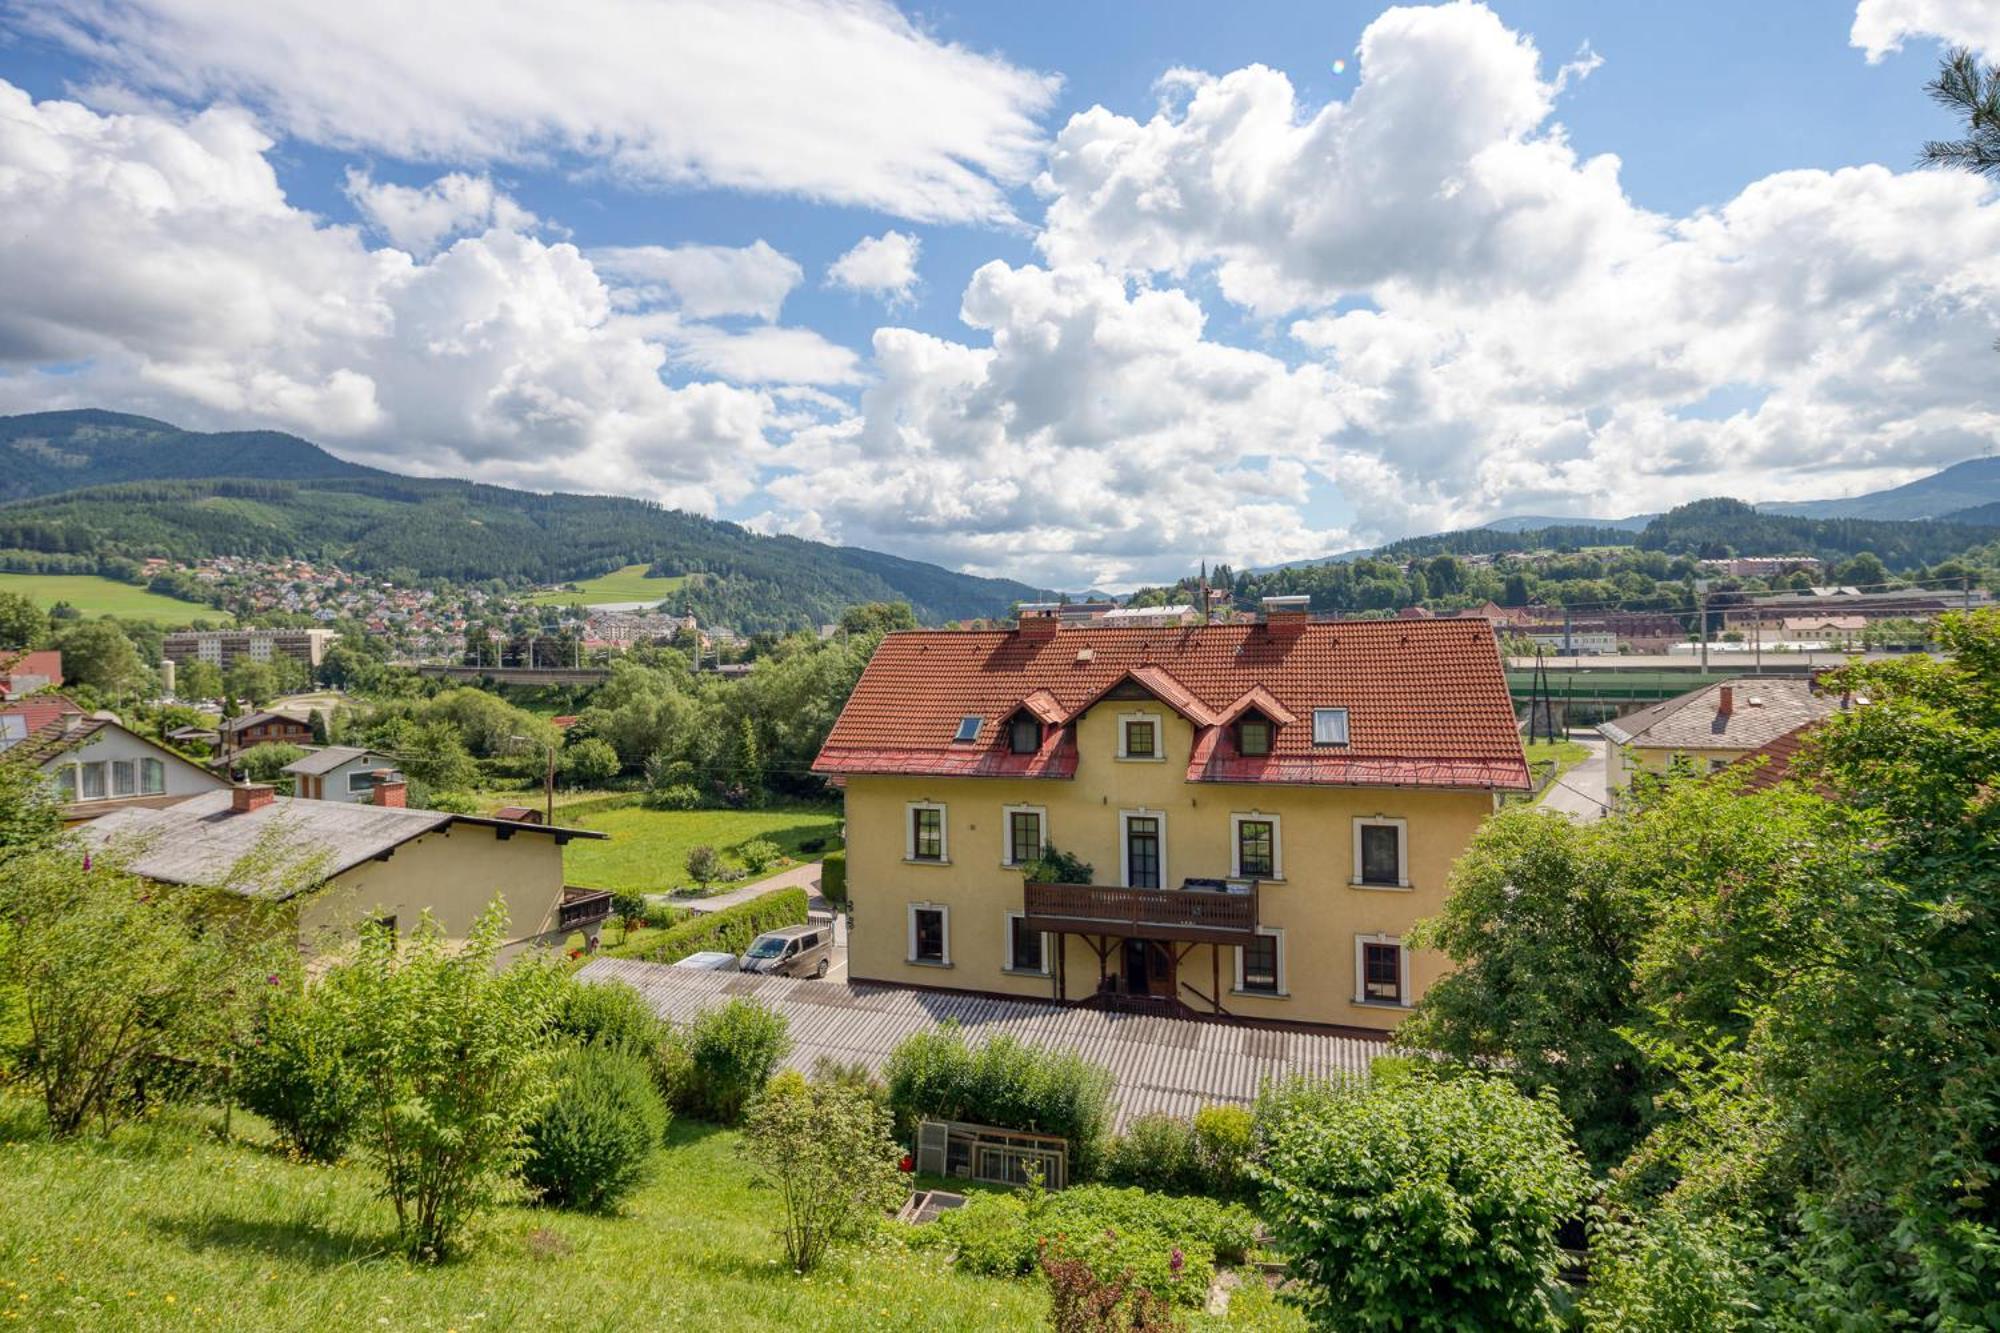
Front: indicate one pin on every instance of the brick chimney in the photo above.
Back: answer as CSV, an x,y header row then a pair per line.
x,y
255,796
1725,701
1040,620
390,790
1291,611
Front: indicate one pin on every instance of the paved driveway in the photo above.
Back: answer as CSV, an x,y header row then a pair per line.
x,y
1583,793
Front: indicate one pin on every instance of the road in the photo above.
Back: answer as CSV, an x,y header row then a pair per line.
x,y
1583,793
798,877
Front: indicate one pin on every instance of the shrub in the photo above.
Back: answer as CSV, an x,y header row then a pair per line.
x,y
589,762
454,1063
1081,1301
629,905
855,1075
730,929
593,1141
450,802
731,1053
759,855
703,865
675,796
826,1149
665,916
613,1014
1057,867
833,878
1156,1151
295,1073
813,845
1004,1082
1222,1141
1428,1202
266,762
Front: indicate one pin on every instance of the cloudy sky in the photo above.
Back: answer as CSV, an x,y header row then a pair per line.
x,y
1077,293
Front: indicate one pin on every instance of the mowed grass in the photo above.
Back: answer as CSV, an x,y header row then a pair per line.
x,y
629,584
96,596
167,1226
647,848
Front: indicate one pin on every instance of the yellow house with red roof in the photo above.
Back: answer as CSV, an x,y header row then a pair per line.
x,y
1267,808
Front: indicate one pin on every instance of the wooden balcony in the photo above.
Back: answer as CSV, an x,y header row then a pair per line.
x,y
1202,910
582,907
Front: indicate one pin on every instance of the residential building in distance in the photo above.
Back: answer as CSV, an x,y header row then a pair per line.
x,y
1705,729
95,766
262,728
341,773
225,647
375,862
23,672
1268,808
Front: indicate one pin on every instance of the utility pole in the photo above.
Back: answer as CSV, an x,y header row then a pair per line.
x,y
1701,618
1569,647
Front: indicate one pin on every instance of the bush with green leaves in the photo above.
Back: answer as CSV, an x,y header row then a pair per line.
x,y
454,1057
729,930
629,905
827,1151
732,1051
759,855
266,762
703,865
588,762
1054,866
938,1075
674,796
610,1013
295,1071
1427,1202
592,1142
1155,1152
1223,1138
833,878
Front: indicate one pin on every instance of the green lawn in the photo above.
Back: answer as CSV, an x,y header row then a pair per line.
x,y
167,1226
96,596
647,847
629,584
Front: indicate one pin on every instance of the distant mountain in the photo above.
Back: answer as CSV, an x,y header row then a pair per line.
x,y
1986,515
1532,522
43,453
105,484
1961,486
1708,527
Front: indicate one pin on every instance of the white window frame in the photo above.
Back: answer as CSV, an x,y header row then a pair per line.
x,y
1007,813
1007,963
365,778
68,782
1361,974
910,834
1236,822
910,947
1345,734
124,777
151,767
1125,845
1159,753
83,780
1284,990
1402,827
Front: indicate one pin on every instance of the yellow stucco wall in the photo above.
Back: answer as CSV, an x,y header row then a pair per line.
x,y
1316,905
454,873
1629,760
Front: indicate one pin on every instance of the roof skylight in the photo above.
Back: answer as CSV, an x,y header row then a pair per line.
x,y
968,728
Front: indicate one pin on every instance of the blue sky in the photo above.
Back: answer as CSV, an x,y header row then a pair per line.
x,y
1222,331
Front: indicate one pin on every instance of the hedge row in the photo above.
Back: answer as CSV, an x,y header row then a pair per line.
x,y
730,929
833,878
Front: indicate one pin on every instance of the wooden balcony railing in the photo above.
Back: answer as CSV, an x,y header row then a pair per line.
x,y
1187,913
582,907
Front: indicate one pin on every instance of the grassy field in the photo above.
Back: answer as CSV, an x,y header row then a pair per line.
x,y
168,1226
629,584
95,596
647,847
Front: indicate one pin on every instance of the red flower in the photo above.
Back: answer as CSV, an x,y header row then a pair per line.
x,y
908,1163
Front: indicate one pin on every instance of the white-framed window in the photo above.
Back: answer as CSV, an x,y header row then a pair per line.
x,y
124,777
1025,950
1329,726
1381,971
1381,852
1024,832
1260,966
1256,848
362,781
924,833
1139,737
66,783
93,780
152,777
1142,849
930,934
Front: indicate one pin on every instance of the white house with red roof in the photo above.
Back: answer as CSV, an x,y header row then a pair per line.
x,y
1267,808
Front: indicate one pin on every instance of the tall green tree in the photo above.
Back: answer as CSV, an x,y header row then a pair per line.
x,y
1967,90
97,654
22,623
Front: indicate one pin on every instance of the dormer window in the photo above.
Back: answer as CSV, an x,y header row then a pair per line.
x,y
968,728
1253,736
1024,734
1140,737
1329,726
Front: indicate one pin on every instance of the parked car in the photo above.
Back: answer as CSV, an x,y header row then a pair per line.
x,y
795,951
709,961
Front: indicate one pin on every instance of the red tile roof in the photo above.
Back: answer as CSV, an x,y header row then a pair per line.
x,y
1427,701
1771,763
39,710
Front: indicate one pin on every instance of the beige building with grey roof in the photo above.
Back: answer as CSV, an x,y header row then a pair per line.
x,y
1708,728
374,862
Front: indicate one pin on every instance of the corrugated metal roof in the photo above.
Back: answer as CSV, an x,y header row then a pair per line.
x,y
1175,1065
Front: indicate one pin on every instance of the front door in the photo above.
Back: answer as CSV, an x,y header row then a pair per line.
x,y
1142,852
1149,969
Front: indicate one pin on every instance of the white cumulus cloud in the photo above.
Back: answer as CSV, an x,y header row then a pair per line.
x,y
1880,26
418,218
884,266
840,100
705,280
